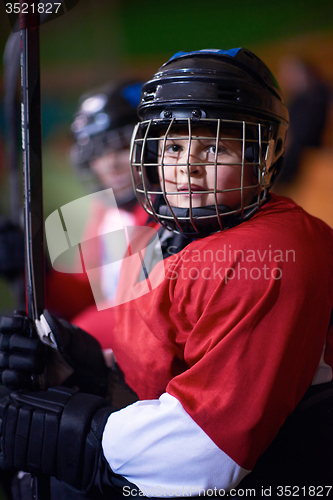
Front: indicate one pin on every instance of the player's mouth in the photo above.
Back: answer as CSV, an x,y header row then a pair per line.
x,y
196,190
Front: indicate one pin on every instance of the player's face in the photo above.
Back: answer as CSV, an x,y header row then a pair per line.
x,y
201,175
113,171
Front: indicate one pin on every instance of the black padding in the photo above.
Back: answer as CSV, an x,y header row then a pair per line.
x,y
75,423
9,444
95,462
35,445
49,462
51,400
22,437
83,353
56,432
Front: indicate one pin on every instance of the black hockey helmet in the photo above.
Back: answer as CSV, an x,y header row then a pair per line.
x,y
215,89
104,120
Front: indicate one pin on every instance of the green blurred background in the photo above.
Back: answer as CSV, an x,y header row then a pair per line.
x,y
101,40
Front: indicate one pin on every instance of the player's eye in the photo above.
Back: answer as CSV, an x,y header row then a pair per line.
x,y
173,148
212,149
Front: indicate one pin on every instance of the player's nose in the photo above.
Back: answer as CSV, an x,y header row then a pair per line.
x,y
113,163
192,165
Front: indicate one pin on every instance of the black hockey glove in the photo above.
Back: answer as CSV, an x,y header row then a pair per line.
x,y
57,433
72,356
22,354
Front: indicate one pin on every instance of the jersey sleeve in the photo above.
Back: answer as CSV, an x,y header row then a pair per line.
x,y
157,446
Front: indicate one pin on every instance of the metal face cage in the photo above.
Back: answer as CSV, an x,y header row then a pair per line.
x,y
205,151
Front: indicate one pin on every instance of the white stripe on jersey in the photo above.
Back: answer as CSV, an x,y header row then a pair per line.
x,y
156,445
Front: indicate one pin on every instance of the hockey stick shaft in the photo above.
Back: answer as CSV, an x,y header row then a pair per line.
x,y
32,165
33,185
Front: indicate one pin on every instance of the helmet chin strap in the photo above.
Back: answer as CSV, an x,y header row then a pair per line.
x,y
205,219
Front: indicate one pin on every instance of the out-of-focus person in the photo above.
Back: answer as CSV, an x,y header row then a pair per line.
x,y
308,102
102,129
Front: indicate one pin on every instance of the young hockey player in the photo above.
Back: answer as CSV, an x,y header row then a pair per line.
x,y
102,129
225,337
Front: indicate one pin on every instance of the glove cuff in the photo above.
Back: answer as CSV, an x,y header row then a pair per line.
x,y
57,432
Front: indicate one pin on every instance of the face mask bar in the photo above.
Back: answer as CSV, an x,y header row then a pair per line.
x,y
150,158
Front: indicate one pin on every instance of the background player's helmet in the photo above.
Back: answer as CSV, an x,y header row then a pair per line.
x,y
217,90
104,122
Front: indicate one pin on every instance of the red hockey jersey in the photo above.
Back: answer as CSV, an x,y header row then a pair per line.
x,y
238,327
